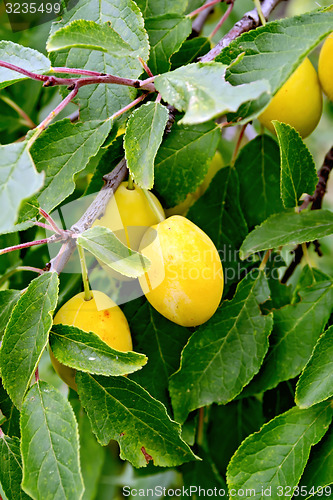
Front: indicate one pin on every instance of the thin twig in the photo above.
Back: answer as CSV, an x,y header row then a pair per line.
x,y
222,20
27,120
316,199
203,7
240,137
76,71
201,425
323,173
51,81
146,67
17,269
44,226
129,106
52,239
200,20
249,21
45,123
52,223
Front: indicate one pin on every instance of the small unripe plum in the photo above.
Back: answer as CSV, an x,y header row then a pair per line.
x,y
99,315
325,67
298,102
185,280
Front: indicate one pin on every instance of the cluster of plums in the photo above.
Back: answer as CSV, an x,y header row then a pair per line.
x,y
299,101
185,280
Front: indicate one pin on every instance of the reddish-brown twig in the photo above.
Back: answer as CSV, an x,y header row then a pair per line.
x,y
222,20
203,7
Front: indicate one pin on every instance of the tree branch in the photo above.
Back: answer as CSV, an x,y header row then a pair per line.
x,y
317,200
95,210
93,78
114,179
249,21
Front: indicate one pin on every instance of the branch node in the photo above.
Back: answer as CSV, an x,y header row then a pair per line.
x,y
50,82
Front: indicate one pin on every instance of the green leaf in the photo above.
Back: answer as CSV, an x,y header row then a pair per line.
x,y
190,51
316,382
105,246
308,277
18,181
101,101
92,456
274,51
194,89
258,168
224,440
11,426
297,328
224,354
50,445
63,150
166,35
89,35
288,228
10,259
319,470
298,171
161,340
11,468
202,475
151,8
109,159
120,409
26,335
217,212
8,300
275,456
143,137
87,352
184,157
23,57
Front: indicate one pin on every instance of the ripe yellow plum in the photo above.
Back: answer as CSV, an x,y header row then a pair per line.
x,y
99,315
298,102
325,67
130,212
185,280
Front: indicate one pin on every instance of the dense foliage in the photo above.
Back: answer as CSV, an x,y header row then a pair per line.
x,y
239,404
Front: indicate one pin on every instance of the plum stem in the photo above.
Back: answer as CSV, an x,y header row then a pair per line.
x,y
87,292
264,260
130,184
201,425
260,12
